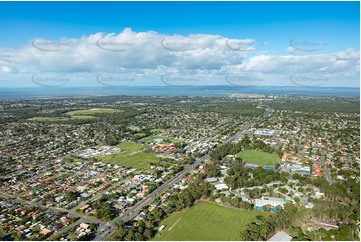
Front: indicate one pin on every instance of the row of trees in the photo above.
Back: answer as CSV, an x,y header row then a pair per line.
x,y
223,150
314,105
241,176
232,149
189,196
257,144
102,208
212,170
236,202
143,231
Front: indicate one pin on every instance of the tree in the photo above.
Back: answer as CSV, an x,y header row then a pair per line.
x,y
130,235
93,227
212,170
111,140
138,236
246,141
141,226
120,228
71,196
148,233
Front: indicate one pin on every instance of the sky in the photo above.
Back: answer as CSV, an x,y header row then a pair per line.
x,y
109,44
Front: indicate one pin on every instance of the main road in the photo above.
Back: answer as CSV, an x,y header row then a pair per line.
x,y
133,211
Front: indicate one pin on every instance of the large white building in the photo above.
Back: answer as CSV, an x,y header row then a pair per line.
x,y
272,201
221,186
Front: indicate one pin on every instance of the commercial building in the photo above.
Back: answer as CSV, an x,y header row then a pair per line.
x,y
274,202
221,186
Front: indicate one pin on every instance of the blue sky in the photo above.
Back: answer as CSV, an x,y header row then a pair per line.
x,y
283,33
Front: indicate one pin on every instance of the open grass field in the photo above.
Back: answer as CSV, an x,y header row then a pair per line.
x,y
57,119
129,146
150,139
140,135
258,157
131,156
78,114
156,131
94,111
206,221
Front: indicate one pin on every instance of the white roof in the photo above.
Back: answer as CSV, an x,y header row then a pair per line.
x,y
221,186
273,201
280,236
212,179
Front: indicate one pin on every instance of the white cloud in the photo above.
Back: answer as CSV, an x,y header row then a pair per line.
x,y
151,54
338,62
7,68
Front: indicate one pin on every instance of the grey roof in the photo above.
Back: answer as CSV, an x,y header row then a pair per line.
x,y
226,193
280,236
211,179
276,199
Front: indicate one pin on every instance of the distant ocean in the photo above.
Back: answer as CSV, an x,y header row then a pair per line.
x,y
206,91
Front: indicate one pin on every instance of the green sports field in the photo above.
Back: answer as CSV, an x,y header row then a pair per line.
x,y
131,156
156,130
258,157
78,115
206,221
57,119
140,135
94,111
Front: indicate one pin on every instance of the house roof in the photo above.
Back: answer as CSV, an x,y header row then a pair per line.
x,y
280,236
212,179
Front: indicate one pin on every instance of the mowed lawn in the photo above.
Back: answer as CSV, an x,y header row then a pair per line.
x,y
140,135
131,156
78,114
94,111
156,130
56,119
258,157
206,221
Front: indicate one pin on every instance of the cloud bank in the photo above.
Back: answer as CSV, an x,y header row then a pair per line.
x,y
149,58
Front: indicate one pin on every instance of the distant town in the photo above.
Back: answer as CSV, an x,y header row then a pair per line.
x,y
239,167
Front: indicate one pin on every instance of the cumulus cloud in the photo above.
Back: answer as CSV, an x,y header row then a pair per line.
x,y
7,68
126,50
338,62
151,54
